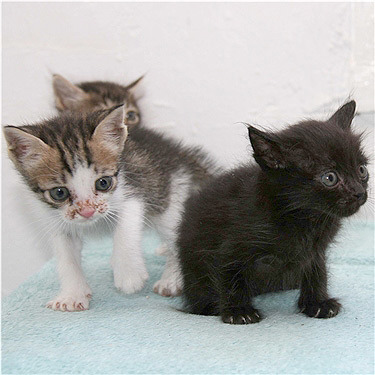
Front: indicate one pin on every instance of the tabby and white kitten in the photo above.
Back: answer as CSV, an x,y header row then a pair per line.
x,y
90,96
93,177
96,95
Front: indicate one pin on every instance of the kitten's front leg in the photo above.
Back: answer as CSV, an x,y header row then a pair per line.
x,y
314,301
236,304
129,270
236,294
75,293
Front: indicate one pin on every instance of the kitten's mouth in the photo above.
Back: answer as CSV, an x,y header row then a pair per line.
x,y
86,214
86,220
350,208
84,217
345,208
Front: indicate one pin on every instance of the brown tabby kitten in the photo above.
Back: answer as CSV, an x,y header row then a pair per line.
x,y
96,95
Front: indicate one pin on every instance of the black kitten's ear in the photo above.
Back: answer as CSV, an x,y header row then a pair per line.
x,y
67,95
344,115
135,83
267,150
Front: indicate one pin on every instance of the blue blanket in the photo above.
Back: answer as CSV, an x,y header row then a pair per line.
x,y
146,333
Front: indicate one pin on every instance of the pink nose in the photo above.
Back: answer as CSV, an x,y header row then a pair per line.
x,y
87,212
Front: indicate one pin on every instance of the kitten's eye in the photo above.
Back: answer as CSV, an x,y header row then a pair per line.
x,y
59,194
363,173
131,117
330,179
103,183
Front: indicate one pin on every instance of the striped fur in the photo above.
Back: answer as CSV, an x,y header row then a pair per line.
x,y
151,176
96,95
93,95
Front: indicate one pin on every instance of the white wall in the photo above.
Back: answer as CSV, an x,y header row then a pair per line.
x,y
208,65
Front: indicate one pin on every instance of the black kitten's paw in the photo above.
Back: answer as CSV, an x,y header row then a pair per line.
x,y
248,317
325,309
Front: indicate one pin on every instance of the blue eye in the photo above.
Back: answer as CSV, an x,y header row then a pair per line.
x,y
330,179
363,172
103,183
131,117
59,194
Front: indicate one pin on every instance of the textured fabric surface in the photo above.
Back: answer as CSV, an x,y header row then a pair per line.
x,y
146,333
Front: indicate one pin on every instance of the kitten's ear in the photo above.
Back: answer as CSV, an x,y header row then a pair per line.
x,y
24,149
112,131
67,95
267,151
344,115
135,83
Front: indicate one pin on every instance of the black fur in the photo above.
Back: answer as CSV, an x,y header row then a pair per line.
x,y
266,227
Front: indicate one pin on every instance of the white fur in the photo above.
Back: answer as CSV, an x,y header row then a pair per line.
x,y
119,213
162,250
75,292
166,224
129,269
123,215
83,182
82,187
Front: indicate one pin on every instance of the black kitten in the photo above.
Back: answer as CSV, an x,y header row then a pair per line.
x,y
261,227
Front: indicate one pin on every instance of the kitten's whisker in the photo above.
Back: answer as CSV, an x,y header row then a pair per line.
x,y
147,222
42,219
112,221
47,231
114,215
111,225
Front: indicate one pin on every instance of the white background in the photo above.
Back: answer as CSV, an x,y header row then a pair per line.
x,y
208,66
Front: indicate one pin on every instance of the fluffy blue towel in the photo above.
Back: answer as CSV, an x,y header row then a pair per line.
x,y
146,333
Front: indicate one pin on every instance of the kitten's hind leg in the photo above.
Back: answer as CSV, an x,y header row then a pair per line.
x,y
129,269
198,299
75,293
170,283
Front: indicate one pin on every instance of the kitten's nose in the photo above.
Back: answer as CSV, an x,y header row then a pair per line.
x,y
87,212
361,196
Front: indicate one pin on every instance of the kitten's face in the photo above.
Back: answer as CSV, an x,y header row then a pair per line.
x,y
320,164
97,95
71,163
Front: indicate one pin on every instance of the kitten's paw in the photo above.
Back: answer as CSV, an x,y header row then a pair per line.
x,y
170,284
251,316
65,302
168,287
129,281
325,309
